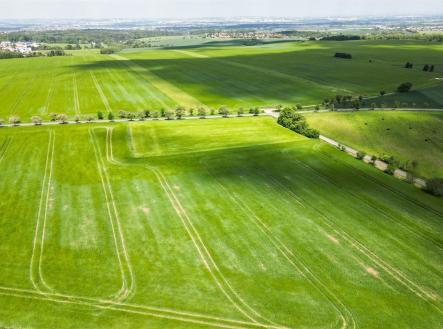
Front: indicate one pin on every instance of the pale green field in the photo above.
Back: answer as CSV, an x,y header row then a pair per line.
x,y
408,136
213,75
231,223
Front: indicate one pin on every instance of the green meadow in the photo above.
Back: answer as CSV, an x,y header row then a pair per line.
x,y
216,73
230,223
407,136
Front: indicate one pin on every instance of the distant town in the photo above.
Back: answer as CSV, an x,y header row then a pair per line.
x,y
24,48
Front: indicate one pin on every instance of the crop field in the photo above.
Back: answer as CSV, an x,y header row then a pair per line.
x,y
214,74
229,223
407,136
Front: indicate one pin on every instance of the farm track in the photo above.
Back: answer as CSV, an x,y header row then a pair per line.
x,y
106,305
346,316
223,284
395,273
35,266
127,275
4,147
76,98
100,92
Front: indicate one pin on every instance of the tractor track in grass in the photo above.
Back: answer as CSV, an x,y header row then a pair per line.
x,y
23,94
126,308
100,92
395,273
345,315
393,190
136,76
5,146
76,98
417,231
114,218
223,284
35,266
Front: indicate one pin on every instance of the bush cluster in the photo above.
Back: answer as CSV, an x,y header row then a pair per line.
x,y
294,121
434,186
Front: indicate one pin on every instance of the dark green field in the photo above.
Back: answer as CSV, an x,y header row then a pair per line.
x,y
213,75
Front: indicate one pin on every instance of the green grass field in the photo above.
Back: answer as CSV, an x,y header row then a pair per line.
x,y
231,223
408,136
214,74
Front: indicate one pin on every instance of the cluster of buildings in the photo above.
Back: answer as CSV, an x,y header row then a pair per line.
x,y
244,35
20,47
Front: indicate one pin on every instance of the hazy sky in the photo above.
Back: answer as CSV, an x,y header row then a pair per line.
x,y
212,8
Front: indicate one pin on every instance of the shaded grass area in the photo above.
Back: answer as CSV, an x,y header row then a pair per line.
x,y
408,136
214,75
230,219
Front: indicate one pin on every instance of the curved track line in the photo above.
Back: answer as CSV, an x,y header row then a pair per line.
x,y
104,305
345,314
205,255
100,92
391,270
122,254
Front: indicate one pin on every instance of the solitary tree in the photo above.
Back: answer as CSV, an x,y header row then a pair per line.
x,y
431,68
202,112
14,120
191,112
155,115
122,114
169,114
36,120
299,107
240,111
256,111
111,116
223,110
62,118
147,113
180,112
131,116
141,115
53,116
382,92
404,87
426,68
100,115
77,118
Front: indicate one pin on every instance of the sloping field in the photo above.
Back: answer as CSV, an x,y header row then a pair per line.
x,y
213,75
231,223
408,136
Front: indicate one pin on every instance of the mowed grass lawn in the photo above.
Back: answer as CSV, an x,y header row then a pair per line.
x,y
407,136
232,223
213,75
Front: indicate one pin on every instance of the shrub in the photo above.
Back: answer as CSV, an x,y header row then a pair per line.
x,y
434,186
100,115
343,55
299,107
111,116
404,87
360,155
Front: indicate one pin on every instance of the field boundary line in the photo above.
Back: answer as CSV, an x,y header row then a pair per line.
x,y
100,92
344,313
204,253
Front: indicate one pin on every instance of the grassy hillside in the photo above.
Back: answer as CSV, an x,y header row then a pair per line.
x,y
407,136
227,223
212,75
